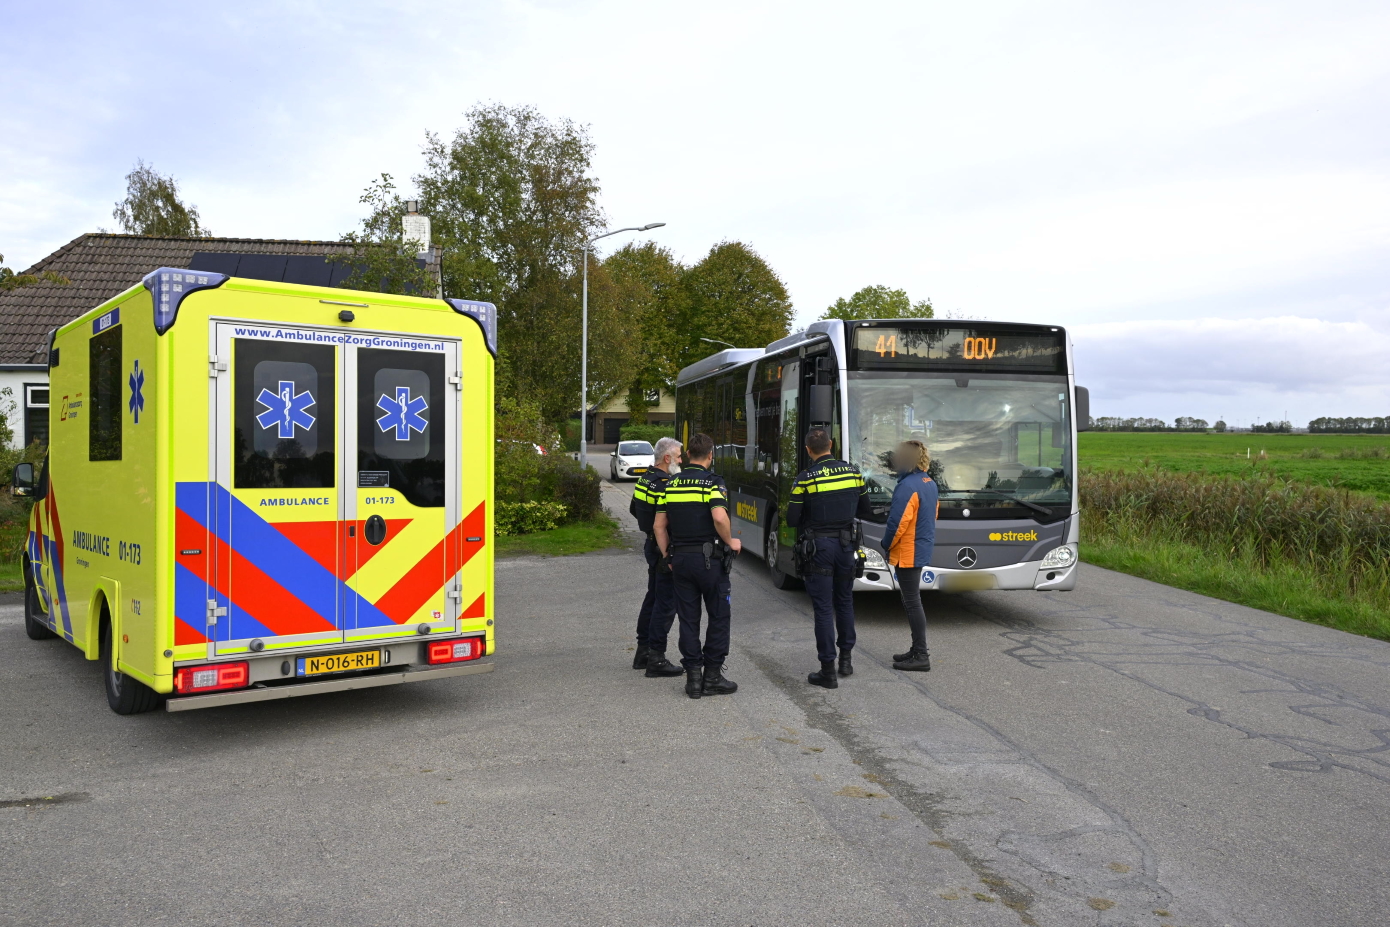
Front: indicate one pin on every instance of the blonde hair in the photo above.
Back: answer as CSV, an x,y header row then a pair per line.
x,y
912,449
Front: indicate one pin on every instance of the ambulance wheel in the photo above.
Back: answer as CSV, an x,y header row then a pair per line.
x,y
33,620
125,695
770,549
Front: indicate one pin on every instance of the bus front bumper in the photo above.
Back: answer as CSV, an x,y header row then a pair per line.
x,y
1017,576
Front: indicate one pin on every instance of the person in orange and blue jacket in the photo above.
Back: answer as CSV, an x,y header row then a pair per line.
x,y
908,538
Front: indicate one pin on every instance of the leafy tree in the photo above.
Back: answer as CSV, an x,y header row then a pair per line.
x,y
731,295
152,206
878,302
9,280
1187,423
646,282
1219,427
1378,425
382,261
512,201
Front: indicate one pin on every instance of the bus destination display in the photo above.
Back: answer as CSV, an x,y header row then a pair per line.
x,y
885,347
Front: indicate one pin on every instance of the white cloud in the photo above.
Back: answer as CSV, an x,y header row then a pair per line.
x,y
1243,369
1078,164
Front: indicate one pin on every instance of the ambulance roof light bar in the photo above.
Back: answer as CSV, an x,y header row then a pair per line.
x,y
485,314
169,285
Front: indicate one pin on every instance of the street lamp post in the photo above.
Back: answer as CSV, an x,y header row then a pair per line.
x,y
584,344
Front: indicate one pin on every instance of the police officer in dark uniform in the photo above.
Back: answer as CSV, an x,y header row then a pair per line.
x,y
659,607
692,530
825,500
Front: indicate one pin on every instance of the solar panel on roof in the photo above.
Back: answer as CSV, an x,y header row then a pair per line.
x,y
262,267
308,269
218,262
340,272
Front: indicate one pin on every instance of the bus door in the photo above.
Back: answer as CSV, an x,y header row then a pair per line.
x,y
404,540
264,534
789,465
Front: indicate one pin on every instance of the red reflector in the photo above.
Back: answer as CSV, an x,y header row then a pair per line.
x,y
456,651
212,677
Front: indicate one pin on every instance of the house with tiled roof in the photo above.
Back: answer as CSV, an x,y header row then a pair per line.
x,y
100,266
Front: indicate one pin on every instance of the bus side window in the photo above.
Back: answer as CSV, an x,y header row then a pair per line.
x,y
768,426
104,396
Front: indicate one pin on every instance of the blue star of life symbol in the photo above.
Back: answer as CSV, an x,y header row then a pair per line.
x,y
402,413
137,395
286,409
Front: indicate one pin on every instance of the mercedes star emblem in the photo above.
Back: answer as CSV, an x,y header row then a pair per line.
x,y
966,557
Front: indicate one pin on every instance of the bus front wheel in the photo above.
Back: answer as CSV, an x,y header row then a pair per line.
x,y
770,550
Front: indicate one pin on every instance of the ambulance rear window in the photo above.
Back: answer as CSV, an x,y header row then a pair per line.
x,y
284,396
401,422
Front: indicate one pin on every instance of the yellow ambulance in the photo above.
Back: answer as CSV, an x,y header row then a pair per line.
x,y
258,490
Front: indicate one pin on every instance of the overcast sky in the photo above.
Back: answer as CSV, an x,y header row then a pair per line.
x,y
1199,191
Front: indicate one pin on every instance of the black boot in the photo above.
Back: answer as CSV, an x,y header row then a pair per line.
x,y
907,655
846,667
826,677
658,666
694,685
715,683
918,660
639,659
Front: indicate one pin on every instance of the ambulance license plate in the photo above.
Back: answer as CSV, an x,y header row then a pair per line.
x,y
338,663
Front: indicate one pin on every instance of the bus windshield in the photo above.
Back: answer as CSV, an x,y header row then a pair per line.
x,y
993,440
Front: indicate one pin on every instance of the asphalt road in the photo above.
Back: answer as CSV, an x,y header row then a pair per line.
x,y
1091,757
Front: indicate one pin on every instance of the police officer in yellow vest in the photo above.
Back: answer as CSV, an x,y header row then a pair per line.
x,y
692,530
659,607
826,498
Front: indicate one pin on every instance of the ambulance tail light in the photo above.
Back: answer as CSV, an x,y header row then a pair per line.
x,y
456,651
211,678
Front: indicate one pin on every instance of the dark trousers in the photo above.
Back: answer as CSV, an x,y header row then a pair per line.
x,y
659,607
910,588
830,583
696,584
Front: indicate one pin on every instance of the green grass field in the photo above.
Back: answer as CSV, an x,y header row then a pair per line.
x,y
11,577
1357,462
1154,529
578,538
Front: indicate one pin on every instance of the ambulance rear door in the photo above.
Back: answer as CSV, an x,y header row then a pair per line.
x,y
274,558
402,402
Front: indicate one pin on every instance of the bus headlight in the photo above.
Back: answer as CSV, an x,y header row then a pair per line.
x,y
873,560
1059,557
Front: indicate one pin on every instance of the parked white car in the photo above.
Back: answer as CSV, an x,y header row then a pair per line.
x,y
630,459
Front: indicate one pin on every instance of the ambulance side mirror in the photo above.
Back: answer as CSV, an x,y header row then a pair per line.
x,y
22,480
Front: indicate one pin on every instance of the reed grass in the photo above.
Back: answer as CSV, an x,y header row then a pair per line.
x,y
1310,552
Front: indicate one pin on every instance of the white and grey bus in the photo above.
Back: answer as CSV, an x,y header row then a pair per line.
x,y
995,403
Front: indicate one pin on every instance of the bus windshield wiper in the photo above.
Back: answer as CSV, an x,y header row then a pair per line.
x,y
999,492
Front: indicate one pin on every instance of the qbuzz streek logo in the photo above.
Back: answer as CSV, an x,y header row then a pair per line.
x,y
1013,535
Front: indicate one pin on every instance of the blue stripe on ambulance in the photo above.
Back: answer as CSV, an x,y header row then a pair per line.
x,y
274,554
